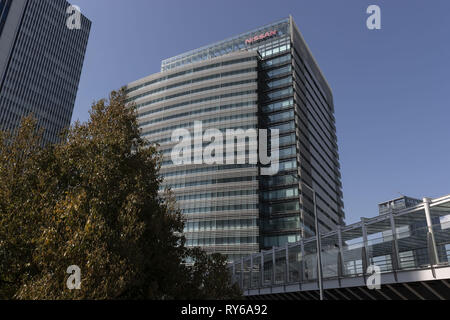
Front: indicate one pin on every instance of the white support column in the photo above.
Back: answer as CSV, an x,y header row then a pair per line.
x,y
426,204
341,251
273,265
262,270
395,253
366,242
302,246
287,262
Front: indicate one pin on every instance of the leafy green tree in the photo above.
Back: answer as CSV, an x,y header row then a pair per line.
x,y
93,201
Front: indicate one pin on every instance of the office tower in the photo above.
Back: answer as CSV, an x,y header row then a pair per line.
x,y
397,204
263,79
40,64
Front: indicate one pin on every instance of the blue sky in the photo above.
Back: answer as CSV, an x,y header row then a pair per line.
x,y
391,86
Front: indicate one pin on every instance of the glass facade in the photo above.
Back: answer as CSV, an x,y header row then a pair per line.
x,y
219,202
5,5
398,204
262,79
238,43
42,67
394,242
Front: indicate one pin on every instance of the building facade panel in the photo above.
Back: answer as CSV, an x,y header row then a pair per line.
x,y
41,70
263,79
220,203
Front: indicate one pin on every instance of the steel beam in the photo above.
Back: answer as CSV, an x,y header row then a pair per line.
x,y
413,291
426,285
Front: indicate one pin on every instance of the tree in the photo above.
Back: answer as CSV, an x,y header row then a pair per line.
x,y
19,156
93,201
207,279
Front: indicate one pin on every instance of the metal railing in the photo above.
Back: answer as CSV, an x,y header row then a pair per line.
x,y
394,242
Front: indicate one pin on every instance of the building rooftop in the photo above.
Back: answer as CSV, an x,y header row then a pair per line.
x,y
166,63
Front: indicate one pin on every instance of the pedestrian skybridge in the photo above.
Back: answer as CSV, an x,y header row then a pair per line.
x,y
411,247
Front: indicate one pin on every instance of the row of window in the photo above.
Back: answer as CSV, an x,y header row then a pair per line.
x,y
278,241
233,207
278,60
238,157
278,94
266,182
277,106
207,169
269,182
290,126
191,124
287,152
190,92
275,72
215,147
281,207
279,82
290,139
212,225
179,74
169,139
232,257
186,103
280,194
201,111
276,50
282,116
193,81
221,241
211,195
283,141
282,223
288,165
208,181
283,166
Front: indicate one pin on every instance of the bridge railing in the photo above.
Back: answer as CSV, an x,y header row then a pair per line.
x,y
394,242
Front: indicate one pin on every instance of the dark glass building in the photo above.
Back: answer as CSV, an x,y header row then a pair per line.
x,y
398,204
40,63
263,79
